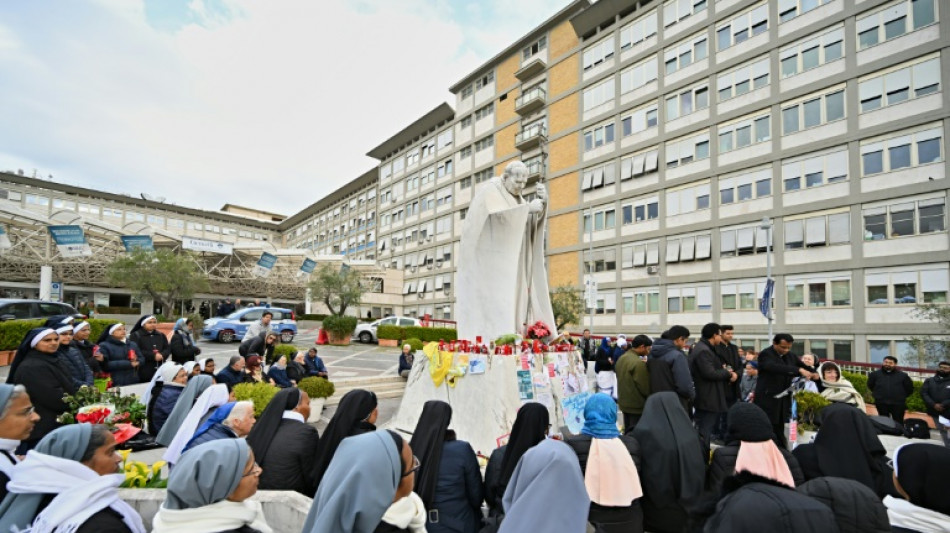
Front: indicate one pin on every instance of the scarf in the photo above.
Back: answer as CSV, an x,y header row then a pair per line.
x,y
764,459
81,493
224,515
8,459
407,513
182,328
600,417
902,513
611,478
844,392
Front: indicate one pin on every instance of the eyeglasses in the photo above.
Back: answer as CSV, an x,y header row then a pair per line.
x,y
256,470
415,466
28,411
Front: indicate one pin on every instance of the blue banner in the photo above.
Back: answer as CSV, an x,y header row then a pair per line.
x,y
137,242
70,241
267,261
308,266
766,304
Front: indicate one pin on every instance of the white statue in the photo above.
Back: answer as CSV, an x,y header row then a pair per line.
x,y
502,278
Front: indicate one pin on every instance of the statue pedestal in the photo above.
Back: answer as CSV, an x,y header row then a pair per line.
x,y
484,406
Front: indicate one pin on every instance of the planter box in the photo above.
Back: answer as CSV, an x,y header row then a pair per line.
x,y
167,328
338,341
316,407
392,343
6,357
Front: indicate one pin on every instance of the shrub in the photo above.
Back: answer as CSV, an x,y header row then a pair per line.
x,y
916,402
118,310
390,332
258,393
810,405
13,331
416,344
316,317
287,350
317,387
430,334
339,326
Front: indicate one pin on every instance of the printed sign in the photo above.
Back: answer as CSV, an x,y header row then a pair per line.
x,y
4,240
265,264
573,408
201,245
56,291
137,242
308,266
70,241
525,388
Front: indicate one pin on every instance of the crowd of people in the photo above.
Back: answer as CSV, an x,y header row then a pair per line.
x,y
675,440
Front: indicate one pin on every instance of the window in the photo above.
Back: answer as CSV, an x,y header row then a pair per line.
x,y
815,170
742,295
684,151
443,225
467,91
789,9
687,248
605,217
483,175
638,75
412,157
904,219
37,200
444,139
606,303
637,31
641,210
465,122
534,48
812,51
640,119
687,200
903,150
598,136
485,80
813,110
746,78
928,285
599,94
908,81
685,53
484,143
598,177
818,291
815,231
639,164
428,148
444,196
641,301
745,132
676,10
640,254
602,260
398,165
598,53
687,101
743,27
742,240
444,168
465,152
895,20
485,111
745,186
688,299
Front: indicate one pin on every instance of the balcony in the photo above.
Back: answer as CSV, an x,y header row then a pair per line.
x,y
530,137
535,170
531,69
530,101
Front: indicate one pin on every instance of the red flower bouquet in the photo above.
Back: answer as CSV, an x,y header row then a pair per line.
x,y
94,414
538,331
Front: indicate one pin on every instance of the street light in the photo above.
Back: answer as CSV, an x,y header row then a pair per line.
x,y
767,297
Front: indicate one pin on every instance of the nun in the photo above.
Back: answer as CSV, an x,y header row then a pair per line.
x,y
546,492
120,358
189,395
674,466
922,478
37,367
81,332
608,461
449,481
378,467
191,369
530,427
153,344
355,415
182,345
71,358
17,418
206,367
207,403
209,491
289,464
174,379
69,483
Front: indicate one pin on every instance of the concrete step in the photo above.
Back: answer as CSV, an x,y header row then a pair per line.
x,y
383,387
378,389
345,382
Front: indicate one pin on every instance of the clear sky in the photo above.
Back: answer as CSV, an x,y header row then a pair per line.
x,y
265,103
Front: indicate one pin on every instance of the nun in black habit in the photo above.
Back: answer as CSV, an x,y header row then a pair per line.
x,y
288,466
530,427
355,415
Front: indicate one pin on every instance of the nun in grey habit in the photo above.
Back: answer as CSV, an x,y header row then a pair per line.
x,y
183,406
17,419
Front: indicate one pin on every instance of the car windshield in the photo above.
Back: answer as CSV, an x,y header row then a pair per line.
x,y
236,314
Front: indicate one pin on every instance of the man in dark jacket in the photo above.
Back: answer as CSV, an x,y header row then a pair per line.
x,y
752,504
729,355
588,347
777,367
710,377
890,388
226,307
633,381
315,366
233,373
936,395
153,345
286,451
669,370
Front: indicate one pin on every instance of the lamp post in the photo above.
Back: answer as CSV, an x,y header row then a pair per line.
x,y
767,305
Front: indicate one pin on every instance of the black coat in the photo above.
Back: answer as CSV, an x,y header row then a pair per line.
x,y
149,343
775,375
458,491
753,505
891,388
709,378
87,348
856,507
609,519
46,383
75,365
729,355
289,464
163,406
669,371
117,362
182,352
216,432
723,465
232,376
494,489
936,390
296,371
385,527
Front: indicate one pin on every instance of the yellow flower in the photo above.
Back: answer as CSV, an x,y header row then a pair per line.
x,y
157,468
125,454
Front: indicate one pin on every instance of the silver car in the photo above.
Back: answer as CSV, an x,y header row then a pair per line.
x,y
367,332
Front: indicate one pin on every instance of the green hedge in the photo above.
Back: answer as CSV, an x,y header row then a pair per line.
x,y
258,393
339,326
317,387
398,333
389,332
860,381
119,310
288,350
415,344
13,331
316,317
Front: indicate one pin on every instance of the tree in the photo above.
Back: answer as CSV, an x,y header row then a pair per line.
x,y
568,305
337,287
929,349
161,275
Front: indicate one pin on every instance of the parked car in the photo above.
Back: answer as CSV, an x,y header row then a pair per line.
x,y
11,309
367,332
234,326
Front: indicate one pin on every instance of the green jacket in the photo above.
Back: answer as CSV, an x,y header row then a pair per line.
x,y
633,383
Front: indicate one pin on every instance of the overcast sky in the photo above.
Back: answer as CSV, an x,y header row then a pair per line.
x,y
265,103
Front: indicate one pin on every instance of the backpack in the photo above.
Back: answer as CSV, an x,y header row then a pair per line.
x,y
885,425
915,428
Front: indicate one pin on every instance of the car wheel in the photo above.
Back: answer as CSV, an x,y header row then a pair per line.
x,y
286,337
226,336
366,337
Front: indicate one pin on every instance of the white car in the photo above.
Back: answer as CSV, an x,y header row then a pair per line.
x,y
367,332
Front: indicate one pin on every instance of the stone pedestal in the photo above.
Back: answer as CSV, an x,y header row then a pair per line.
x,y
484,406
283,510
